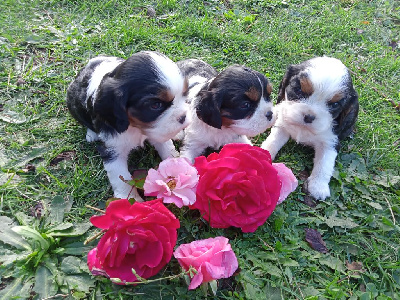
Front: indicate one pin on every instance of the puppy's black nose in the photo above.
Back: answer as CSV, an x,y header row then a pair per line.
x,y
269,115
182,119
309,118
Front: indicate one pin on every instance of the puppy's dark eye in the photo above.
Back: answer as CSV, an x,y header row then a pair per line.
x,y
157,105
245,105
334,104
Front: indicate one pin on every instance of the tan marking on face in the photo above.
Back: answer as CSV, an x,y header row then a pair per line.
x,y
306,85
166,95
185,87
226,122
337,97
253,94
269,88
134,122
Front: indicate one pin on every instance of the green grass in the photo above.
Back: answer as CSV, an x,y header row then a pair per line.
x,y
44,43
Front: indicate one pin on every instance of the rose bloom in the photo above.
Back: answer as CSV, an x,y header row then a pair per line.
x,y
141,236
288,180
175,181
237,187
213,258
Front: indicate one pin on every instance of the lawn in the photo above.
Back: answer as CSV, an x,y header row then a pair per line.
x,y
44,157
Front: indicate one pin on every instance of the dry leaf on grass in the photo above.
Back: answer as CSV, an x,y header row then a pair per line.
x,y
314,239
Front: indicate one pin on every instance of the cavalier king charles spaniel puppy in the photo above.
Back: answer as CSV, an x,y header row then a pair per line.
x,y
225,108
125,102
317,106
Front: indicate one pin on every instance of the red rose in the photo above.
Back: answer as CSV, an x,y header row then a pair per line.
x,y
237,187
141,236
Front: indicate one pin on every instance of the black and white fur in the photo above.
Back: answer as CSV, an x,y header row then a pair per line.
x,y
317,106
225,108
125,102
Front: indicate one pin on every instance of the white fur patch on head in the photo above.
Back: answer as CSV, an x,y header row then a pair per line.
x,y
107,65
168,71
328,76
168,124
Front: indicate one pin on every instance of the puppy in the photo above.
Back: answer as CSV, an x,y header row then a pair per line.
x,y
125,102
225,107
318,106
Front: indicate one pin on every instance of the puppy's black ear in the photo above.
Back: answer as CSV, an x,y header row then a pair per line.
x,y
347,118
208,109
110,106
290,72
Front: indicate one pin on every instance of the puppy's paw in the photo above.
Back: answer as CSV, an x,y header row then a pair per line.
x,y
317,188
174,153
91,136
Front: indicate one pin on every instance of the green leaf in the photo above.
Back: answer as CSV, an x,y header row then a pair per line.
x,y
23,219
288,262
79,282
35,153
60,227
251,286
138,178
45,283
77,230
272,269
76,248
32,234
12,289
7,256
71,265
51,263
333,263
57,210
10,237
344,223
311,291
213,286
375,205
13,117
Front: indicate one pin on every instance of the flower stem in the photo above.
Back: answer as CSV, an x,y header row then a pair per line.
x,y
96,209
89,239
142,280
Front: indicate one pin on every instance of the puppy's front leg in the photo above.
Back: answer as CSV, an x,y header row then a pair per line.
x,y
116,164
166,149
324,164
275,141
192,150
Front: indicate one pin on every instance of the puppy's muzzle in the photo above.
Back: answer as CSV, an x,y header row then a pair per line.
x,y
182,119
309,119
269,115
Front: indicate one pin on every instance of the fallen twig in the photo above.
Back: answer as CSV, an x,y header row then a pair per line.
x,y
391,211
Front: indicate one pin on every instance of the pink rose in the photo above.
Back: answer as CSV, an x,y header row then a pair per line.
x,y
237,187
175,181
141,236
289,181
213,258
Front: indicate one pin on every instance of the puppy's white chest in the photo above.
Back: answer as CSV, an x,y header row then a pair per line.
x,y
130,138
301,135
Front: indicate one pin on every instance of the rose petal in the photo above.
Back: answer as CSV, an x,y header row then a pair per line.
x,y
196,281
115,210
289,181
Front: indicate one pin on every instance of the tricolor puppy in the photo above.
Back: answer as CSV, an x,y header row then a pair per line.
x,y
125,102
225,107
318,106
